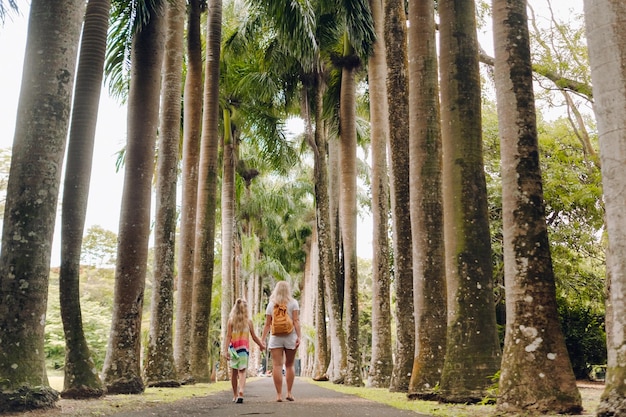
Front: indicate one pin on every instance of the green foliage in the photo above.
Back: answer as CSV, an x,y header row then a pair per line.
x,y
492,390
280,211
583,328
364,269
96,307
99,247
575,214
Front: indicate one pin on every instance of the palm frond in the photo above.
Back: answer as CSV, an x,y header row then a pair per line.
x,y
119,41
127,18
6,8
359,26
145,9
294,21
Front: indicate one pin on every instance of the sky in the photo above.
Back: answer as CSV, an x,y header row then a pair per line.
x,y
107,184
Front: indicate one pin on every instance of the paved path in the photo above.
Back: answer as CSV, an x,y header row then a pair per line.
x,y
310,401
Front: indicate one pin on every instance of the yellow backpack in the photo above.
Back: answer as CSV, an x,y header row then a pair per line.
x,y
281,322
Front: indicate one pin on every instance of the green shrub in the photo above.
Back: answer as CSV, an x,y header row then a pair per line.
x,y
585,337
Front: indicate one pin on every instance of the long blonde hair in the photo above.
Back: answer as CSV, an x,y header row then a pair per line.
x,y
281,293
239,315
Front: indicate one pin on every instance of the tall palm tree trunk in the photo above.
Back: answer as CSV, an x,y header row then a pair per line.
x,y
207,188
425,166
473,349
337,366
33,189
80,378
347,218
192,122
381,364
159,369
316,287
534,342
228,226
606,36
395,44
122,369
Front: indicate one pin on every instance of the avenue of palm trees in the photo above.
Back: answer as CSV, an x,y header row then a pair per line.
x,y
208,86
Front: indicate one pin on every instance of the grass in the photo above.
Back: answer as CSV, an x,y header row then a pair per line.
x,y
112,404
590,396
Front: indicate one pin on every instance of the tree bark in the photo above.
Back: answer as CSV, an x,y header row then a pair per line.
x,y
425,166
605,22
159,368
473,349
536,374
228,226
381,364
41,128
347,220
192,122
207,196
80,377
122,369
337,365
397,82
320,359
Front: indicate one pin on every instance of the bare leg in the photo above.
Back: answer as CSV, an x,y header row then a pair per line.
x,y
242,381
277,372
290,371
233,382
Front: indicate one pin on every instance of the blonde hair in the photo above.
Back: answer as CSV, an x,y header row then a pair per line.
x,y
281,293
239,316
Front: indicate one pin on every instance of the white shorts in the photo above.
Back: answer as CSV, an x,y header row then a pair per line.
x,y
287,341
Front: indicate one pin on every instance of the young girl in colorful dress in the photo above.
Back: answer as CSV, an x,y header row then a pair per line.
x,y
237,346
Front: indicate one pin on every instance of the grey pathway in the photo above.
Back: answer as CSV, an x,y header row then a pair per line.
x,y
310,400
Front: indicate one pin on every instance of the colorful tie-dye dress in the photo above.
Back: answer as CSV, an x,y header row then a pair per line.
x,y
239,348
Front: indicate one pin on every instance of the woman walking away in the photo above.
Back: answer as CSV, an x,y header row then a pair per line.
x,y
237,346
282,319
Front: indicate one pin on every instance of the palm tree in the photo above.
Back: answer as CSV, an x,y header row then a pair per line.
x,y
425,166
606,39
33,189
347,220
534,343
206,202
159,368
337,364
337,368
472,350
228,226
192,122
81,380
357,41
381,364
121,371
323,259
395,41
